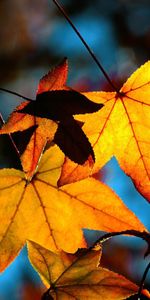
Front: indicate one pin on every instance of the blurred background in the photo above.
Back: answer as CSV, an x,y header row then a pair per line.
x,y
34,37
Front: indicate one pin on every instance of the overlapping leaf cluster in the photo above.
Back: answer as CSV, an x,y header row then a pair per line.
x,y
54,197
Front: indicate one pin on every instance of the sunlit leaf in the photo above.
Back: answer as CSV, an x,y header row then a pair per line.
x,y
121,128
55,79
54,217
45,131
102,139
81,279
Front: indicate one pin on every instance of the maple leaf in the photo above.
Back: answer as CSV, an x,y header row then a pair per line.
x,y
80,278
121,128
54,217
46,129
54,79
57,102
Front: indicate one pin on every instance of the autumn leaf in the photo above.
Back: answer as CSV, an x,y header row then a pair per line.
x,y
54,217
121,128
59,106
46,129
81,278
54,79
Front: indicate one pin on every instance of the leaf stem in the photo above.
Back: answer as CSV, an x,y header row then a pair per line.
x,y
61,9
143,281
16,94
10,137
143,235
47,296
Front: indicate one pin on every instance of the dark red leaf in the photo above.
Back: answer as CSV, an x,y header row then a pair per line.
x,y
72,141
57,105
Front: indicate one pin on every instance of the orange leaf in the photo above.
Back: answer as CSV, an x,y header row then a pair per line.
x,y
54,217
121,128
81,279
55,79
44,132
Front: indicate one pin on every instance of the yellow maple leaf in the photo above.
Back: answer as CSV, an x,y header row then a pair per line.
x,y
54,217
121,128
81,278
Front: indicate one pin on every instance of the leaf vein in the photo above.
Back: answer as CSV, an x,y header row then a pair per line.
x,y
45,214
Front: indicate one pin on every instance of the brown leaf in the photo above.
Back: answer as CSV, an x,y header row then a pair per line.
x,y
81,279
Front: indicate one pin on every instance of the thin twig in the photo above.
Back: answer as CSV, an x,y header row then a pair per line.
x,y
16,94
143,281
143,235
86,45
